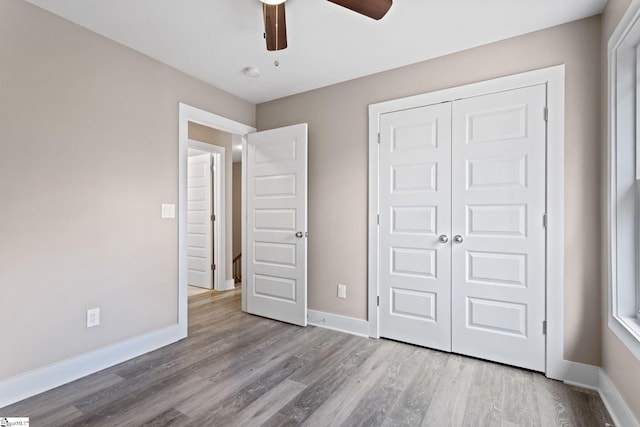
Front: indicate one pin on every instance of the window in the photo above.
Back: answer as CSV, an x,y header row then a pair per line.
x,y
624,180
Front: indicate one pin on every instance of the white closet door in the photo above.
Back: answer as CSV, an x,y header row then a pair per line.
x,y
415,192
199,227
498,204
277,224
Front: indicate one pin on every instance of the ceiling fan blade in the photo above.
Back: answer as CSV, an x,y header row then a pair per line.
x,y
275,26
374,9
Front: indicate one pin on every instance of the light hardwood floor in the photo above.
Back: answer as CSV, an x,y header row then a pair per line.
x,y
235,369
194,290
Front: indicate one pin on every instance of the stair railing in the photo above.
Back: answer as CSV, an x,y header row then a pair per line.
x,y
237,268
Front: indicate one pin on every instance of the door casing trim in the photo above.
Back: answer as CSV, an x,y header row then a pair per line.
x,y
556,366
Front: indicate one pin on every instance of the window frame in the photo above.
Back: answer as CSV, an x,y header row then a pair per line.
x,y
624,180
637,181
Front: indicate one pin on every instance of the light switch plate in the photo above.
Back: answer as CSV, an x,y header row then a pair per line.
x,y
168,211
342,290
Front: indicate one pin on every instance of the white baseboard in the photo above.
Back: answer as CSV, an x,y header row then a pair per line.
x,y
23,386
595,378
227,285
350,325
618,409
580,374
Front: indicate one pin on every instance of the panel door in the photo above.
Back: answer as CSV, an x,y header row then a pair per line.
x,y
277,224
199,227
415,209
498,249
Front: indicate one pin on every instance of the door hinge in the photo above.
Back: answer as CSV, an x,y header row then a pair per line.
x,y
546,114
213,217
378,137
378,301
213,267
544,220
544,327
378,219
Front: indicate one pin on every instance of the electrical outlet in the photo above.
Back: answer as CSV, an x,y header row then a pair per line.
x,y
93,317
342,290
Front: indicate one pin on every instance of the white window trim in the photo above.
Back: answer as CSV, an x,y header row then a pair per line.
x,y
624,252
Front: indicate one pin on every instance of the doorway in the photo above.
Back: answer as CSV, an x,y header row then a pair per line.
x,y
199,119
271,177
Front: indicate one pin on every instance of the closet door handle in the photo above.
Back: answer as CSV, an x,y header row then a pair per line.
x,y
443,239
458,238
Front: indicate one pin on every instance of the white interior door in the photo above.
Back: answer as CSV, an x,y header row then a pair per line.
x,y
498,206
415,224
276,282
199,227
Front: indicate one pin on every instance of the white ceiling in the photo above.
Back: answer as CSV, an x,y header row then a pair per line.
x,y
214,40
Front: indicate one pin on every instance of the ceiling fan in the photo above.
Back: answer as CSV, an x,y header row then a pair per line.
x,y
275,26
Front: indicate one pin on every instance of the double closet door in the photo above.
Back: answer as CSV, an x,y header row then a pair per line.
x,y
462,226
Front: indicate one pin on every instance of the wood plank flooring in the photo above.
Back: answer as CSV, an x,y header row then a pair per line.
x,y
194,290
235,369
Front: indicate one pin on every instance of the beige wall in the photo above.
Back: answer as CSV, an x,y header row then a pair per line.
x,y
622,367
88,153
225,140
337,117
237,208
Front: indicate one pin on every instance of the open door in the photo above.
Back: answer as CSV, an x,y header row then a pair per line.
x,y
276,282
199,228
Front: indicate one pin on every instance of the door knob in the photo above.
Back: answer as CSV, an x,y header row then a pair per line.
x,y
299,234
443,239
458,239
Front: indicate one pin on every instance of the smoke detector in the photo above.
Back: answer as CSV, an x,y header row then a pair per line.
x,y
253,72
